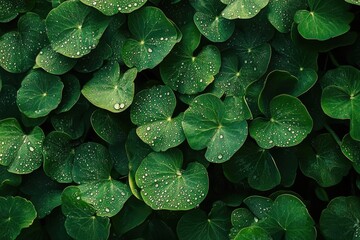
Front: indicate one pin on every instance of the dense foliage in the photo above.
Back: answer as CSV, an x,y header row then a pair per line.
x,y
179,119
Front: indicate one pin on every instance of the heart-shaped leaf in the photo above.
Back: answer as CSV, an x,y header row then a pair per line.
x,y
324,20
17,213
164,185
340,219
152,111
341,96
113,7
199,225
209,21
21,152
208,123
39,94
109,89
19,48
351,149
81,219
323,161
188,73
255,164
243,9
154,35
80,30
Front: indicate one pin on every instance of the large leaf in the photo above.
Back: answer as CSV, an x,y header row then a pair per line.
x,y
16,213
10,9
351,149
80,30
187,72
287,125
152,111
340,219
109,89
209,123
39,94
19,48
154,35
243,9
341,96
114,6
165,185
324,20
21,152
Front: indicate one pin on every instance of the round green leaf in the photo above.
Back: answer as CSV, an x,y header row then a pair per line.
x,y
255,164
281,13
341,96
58,157
324,20
80,30
154,35
9,9
16,213
107,126
289,216
112,7
356,2
152,111
240,218
53,62
164,185
198,225
209,21
351,149
289,123
253,233
243,9
39,94
22,153
340,219
208,123
186,73
323,161
109,89
71,93
18,49
81,219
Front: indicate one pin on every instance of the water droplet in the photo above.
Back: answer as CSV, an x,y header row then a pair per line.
x,y
220,156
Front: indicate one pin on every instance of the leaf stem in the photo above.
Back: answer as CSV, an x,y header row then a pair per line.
x,y
333,59
333,134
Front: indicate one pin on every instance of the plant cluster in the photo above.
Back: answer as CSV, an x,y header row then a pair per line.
x,y
179,119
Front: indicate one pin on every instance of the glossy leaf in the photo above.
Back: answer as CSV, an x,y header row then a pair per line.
x,y
252,233
109,89
288,124
351,149
115,6
71,93
243,9
20,152
208,124
165,185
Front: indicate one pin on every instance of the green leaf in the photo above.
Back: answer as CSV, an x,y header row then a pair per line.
x,y
341,96
152,111
81,220
281,13
208,124
16,214
164,185
8,107
324,20
356,2
9,9
109,89
29,38
39,94
58,157
186,72
154,35
323,161
113,7
287,162
243,9
71,93
351,149
20,152
53,62
288,215
255,164
197,224
288,124
8,179
340,219
209,21
80,30
240,218
259,206
253,233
